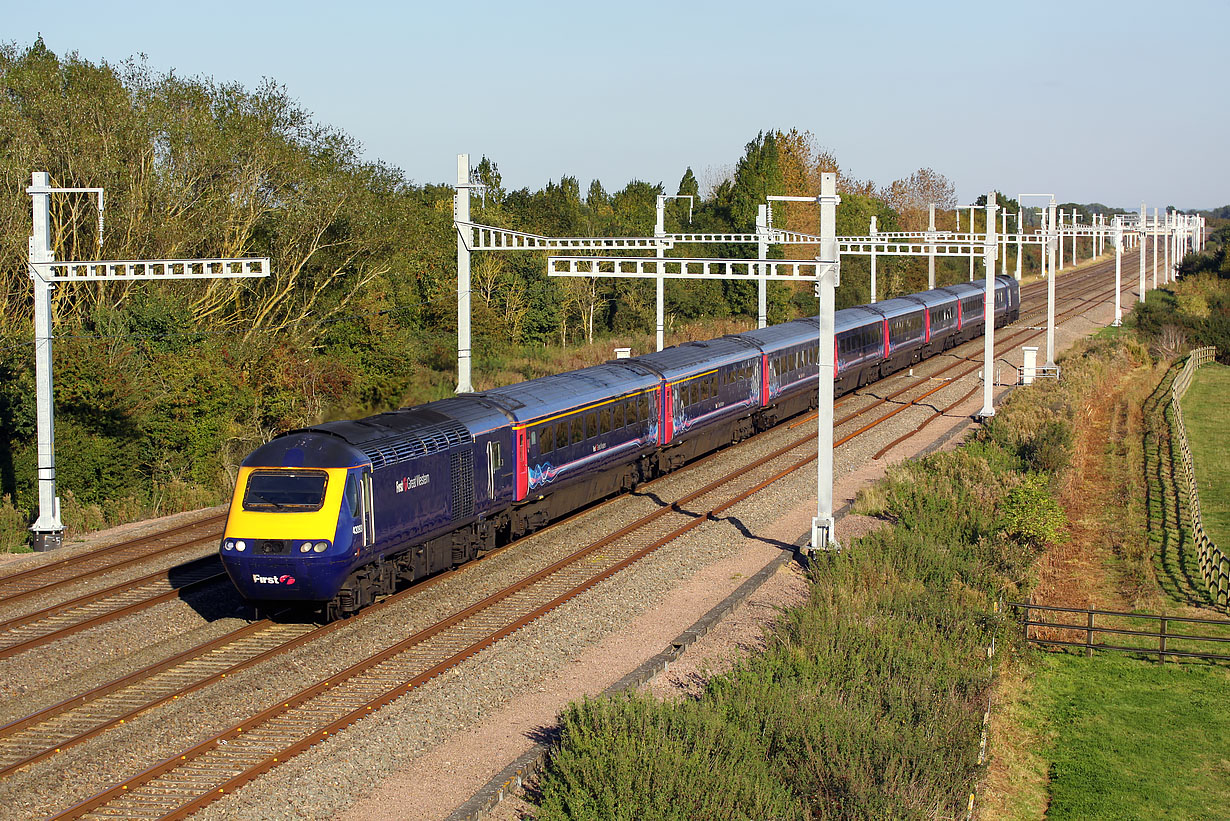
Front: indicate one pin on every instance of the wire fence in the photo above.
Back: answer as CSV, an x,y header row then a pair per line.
x,y
1214,564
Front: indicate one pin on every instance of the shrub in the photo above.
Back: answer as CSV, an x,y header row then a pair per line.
x,y
1030,515
1049,449
632,758
14,528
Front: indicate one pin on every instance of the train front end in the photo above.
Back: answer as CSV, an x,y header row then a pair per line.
x,y
293,530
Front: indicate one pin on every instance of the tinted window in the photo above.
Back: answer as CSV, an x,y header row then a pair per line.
x,y
547,439
285,490
619,415
591,425
604,420
578,429
353,497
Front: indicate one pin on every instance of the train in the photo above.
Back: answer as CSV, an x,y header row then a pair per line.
x,y
334,516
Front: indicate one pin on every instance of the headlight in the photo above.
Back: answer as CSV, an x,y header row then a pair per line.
x,y
241,545
321,547
229,544
306,547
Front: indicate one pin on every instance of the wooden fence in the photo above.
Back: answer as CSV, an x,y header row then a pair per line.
x,y
1085,631
1214,564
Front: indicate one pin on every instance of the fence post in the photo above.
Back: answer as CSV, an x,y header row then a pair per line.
x,y
1161,643
1089,636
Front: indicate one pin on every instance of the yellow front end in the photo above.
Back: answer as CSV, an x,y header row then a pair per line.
x,y
277,524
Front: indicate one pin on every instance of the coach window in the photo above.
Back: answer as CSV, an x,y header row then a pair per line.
x,y
604,420
578,429
617,418
353,496
547,440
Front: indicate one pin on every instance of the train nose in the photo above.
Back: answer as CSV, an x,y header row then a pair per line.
x,y
287,575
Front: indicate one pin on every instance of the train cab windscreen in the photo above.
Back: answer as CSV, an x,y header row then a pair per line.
x,y
285,490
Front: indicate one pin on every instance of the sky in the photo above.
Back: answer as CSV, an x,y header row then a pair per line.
x,y
1093,102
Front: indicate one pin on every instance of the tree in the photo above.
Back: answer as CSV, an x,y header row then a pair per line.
x,y
910,197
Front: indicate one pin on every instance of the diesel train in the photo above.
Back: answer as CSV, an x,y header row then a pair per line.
x,y
335,515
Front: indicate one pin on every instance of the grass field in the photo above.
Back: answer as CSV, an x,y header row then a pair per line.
x,y
1132,739
1204,411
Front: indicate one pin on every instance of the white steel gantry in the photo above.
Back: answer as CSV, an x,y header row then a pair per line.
x,y
44,273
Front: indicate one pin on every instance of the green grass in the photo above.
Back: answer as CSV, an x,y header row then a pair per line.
x,y
1204,411
1132,739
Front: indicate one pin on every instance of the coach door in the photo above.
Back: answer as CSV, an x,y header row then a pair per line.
x,y
369,510
495,461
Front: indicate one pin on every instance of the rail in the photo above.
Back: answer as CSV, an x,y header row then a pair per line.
x,y
1214,563
1160,642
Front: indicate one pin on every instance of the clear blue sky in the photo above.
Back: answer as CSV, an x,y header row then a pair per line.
x,y
1111,102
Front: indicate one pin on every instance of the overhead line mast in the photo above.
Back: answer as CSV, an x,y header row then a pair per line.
x,y
45,272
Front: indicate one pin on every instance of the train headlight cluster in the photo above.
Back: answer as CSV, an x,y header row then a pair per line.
x,y
308,547
235,544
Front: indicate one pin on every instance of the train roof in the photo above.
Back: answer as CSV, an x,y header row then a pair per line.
x,y
680,361
305,449
849,318
786,335
965,290
398,436
934,297
478,414
549,395
897,306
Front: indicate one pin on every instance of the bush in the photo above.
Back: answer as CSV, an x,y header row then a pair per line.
x,y
633,758
14,528
1030,515
1049,449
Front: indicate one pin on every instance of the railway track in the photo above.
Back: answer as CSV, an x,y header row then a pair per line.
x,y
48,578
281,718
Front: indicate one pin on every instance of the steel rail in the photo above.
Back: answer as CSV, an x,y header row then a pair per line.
x,y
98,595
70,731
242,778
77,568
39,639
57,739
